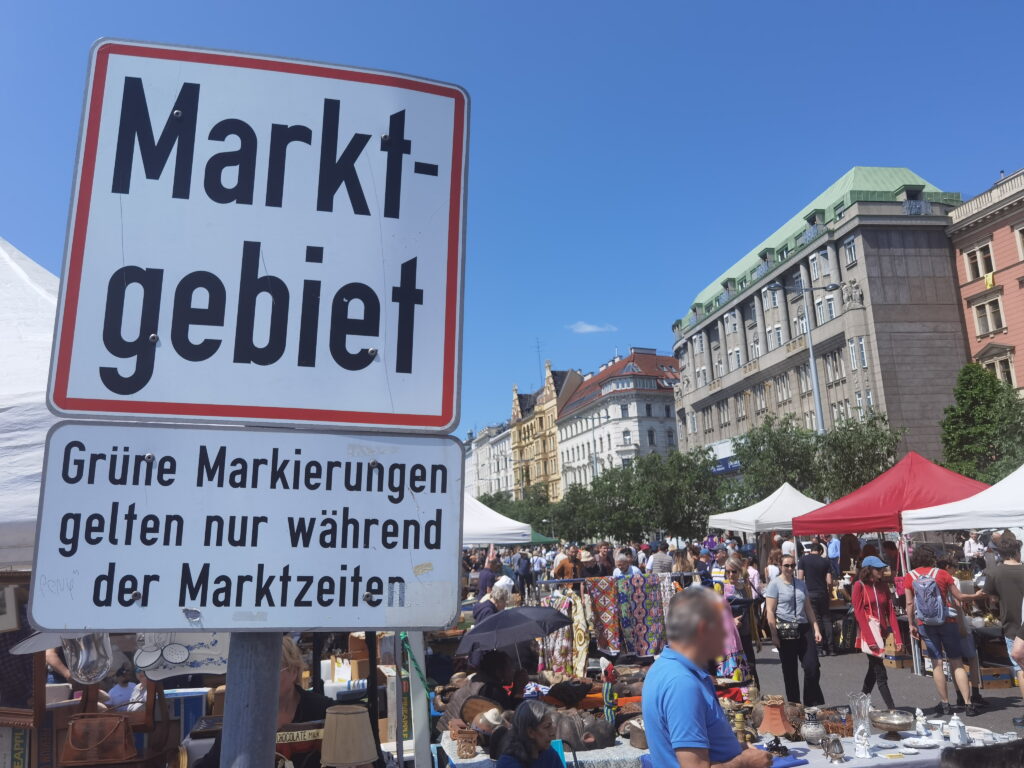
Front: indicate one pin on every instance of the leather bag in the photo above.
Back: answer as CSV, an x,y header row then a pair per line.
x,y
98,739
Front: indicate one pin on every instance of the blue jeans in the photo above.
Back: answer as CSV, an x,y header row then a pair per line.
x,y
1009,652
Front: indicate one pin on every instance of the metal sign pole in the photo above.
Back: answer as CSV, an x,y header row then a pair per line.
x,y
250,705
399,713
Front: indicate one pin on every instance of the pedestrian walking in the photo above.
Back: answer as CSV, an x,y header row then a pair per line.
x,y
876,619
1005,582
816,572
740,596
794,632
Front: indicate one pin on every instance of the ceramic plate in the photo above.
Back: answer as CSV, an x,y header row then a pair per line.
x,y
920,743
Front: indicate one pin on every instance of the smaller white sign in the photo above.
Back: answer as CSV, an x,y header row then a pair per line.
x,y
147,527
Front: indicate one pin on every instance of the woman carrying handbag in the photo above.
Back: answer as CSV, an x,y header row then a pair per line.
x,y
876,620
795,633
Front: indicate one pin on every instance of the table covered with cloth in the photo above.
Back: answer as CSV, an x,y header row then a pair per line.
x,y
624,756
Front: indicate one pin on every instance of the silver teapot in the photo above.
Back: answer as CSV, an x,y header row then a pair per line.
x,y
832,747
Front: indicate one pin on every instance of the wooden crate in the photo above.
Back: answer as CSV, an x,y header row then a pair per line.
x,y
997,677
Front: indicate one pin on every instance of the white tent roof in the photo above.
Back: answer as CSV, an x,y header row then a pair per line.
x,y
998,506
28,301
481,526
775,511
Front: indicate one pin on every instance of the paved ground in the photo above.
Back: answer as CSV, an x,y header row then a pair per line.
x,y
844,674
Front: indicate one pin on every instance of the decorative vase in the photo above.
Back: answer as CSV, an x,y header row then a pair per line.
x,y
812,731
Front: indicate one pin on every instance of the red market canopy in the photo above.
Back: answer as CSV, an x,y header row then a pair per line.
x,y
914,482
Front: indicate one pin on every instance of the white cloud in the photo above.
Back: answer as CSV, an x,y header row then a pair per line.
x,y
581,326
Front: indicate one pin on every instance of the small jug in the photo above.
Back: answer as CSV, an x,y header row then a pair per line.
x,y
832,747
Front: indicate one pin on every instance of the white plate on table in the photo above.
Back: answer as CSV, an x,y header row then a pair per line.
x,y
920,743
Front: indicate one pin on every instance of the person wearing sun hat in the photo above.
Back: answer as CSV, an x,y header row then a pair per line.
x,y
876,620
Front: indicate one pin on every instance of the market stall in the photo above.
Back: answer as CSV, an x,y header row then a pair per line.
x,y
28,300
774,512
482,526
997,506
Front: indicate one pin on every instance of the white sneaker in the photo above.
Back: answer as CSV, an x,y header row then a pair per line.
x,y
775,650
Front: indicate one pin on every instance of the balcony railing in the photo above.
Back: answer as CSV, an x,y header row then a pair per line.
x,y
810,234
1005,189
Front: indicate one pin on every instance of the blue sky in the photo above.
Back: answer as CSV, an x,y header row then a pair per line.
x,y
621,154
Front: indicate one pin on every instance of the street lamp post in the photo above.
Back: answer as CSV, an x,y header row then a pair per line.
x,y
819,413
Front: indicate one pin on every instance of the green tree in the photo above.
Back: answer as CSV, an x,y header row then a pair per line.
x,y
775,452
853,453
983,431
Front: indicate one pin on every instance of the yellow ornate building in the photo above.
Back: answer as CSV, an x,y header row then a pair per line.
x,y
535,434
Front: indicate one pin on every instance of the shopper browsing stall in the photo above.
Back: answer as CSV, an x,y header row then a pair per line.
x,y
792,622
932,601
1005,583
876,620
684,722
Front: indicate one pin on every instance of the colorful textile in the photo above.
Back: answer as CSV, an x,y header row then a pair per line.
x,y
580,637
640,615
667,588
556,648
604,599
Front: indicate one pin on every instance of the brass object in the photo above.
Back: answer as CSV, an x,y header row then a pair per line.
x,y
892,721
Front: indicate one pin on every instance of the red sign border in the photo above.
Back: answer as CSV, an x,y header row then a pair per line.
x,y
64,404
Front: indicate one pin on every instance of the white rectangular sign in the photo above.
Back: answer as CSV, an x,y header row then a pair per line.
x,y
263,240
149,527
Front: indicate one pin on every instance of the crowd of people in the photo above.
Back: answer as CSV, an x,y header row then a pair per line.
x,y
786,600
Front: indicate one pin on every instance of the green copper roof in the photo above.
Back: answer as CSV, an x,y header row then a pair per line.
x,y
857,184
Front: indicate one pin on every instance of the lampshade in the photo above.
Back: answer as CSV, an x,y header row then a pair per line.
x,y
348,740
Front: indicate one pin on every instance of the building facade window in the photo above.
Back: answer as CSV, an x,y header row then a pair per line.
x,y
723,413
988,316
869,399
649,409
850,248
741,407
670,438
813,261
627,437
737,359
852,344
1001,368
760,398
839,211
979,262
778,335
624,411
830,307
862,347
650,437
819,311
755,347
859,400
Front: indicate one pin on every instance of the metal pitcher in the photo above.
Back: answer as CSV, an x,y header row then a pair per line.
x,y
832,747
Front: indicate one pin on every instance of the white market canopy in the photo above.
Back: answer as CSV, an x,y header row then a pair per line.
x,y
998,506
774,512
481,526
28,302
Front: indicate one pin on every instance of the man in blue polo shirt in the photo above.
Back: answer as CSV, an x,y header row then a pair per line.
x,y
685,724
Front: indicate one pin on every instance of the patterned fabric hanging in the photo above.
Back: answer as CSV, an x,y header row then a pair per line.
x,y
557,648
580,637
640,615
604,598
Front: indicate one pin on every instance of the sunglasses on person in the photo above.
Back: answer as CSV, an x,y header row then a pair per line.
x,y
788,565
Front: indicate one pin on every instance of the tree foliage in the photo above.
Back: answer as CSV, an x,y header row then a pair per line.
x,y
854,453
983,431
775,452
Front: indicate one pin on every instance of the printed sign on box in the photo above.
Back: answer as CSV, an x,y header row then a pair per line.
x,y
150,527
263,241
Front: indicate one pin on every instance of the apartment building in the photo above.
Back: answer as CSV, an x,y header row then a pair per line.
x,y
623,411
535,434
489,461
988,239
865,271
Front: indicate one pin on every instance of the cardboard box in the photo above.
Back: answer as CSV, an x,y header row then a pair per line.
x,y
997,677
14,747
390,674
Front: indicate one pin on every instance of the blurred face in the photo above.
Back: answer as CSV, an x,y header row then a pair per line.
x,y
721,556
573,552
542,735
603,550
732,573
788,567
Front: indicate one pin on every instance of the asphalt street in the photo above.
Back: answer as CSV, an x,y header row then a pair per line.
x,y
844,674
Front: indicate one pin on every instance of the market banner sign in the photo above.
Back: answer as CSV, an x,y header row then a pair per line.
x,y
152,527
262,240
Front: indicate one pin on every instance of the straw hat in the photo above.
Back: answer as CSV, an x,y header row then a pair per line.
x,y
586,556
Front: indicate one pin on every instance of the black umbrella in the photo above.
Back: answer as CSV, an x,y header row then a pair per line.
x,y
511,626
